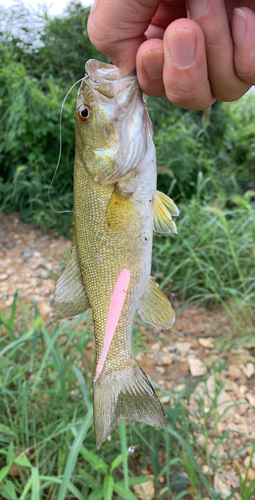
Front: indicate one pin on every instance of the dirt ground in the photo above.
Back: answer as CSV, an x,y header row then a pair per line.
x,y
28,263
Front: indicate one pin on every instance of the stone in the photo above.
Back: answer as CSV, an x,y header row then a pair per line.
x,y
206,342
249,370
165,399
156,347
180,387
167,360
3,276
221,486
196,367
145,491
251,398
243,389
44,308
160,369
234,371
226,405
251,474
201,440
182,346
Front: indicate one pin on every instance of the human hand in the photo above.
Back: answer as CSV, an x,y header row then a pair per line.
x,y
192,61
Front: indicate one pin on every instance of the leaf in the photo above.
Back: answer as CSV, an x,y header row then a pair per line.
x,y
22,339
72,457
119,487
95,462
138,480
108,487
4,471
23,461
8,491
97,494
35,484
81,381
117,461
75,491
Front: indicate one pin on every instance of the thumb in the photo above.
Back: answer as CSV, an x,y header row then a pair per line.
x,y
117,27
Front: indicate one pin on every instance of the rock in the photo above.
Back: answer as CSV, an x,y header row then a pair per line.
x,y
207,470
247,461
44,308
233,479
145,491
156,347
167,360
196,367
206,342
251,398
249,370
234,371
182,346
226,405
165,399
160,369
251,474
221,486
201,440
180,387
243,389
3,276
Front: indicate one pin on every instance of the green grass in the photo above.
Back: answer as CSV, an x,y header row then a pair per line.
x,y
47,442
212,259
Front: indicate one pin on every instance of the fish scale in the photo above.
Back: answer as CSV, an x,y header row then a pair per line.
x,y
116,208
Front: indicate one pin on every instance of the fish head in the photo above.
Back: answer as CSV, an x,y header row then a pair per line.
x,y
112,125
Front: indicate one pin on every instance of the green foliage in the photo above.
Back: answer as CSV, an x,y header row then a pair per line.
x,y
47,441
212,258
33,82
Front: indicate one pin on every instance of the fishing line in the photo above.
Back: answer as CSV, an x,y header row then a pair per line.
x,y
60,149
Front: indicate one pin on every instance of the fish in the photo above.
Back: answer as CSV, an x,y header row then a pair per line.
x,y
116,209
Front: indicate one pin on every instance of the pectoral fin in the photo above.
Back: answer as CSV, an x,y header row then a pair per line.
x,y
70,297
119,211
163,208
155,308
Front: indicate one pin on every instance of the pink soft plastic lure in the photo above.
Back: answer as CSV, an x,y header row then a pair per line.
x,y
116,304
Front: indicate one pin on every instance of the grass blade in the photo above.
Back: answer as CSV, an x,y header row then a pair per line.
x,y
71,461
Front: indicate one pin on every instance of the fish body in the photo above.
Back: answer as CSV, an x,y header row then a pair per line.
x,y
116,207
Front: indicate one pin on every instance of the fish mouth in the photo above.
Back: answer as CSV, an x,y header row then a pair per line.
x,y
109,81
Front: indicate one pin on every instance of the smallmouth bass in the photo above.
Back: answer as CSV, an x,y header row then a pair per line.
x,y
116,208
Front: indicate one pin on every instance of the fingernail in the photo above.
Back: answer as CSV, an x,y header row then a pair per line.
x,y
182,47
198,8
238,26
153,63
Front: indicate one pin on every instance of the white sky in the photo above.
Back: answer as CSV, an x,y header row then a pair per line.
x,y
57,6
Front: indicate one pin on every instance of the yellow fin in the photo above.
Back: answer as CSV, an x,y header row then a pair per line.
x,y
163,208
155,307
119,211
70,297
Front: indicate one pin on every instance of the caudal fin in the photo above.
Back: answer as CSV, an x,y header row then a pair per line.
x,y
125,396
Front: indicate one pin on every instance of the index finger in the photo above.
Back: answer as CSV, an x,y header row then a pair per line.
x,y
117,27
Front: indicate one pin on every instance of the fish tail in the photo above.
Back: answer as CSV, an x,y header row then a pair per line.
x,y
127,394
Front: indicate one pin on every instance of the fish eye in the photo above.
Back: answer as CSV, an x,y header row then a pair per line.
x,y
84,113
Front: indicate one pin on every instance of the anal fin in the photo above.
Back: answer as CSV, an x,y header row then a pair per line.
x,y
155,308
163,208
70,297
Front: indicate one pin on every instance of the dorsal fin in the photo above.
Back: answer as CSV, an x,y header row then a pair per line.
x,y
70,297
163,208
155,308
